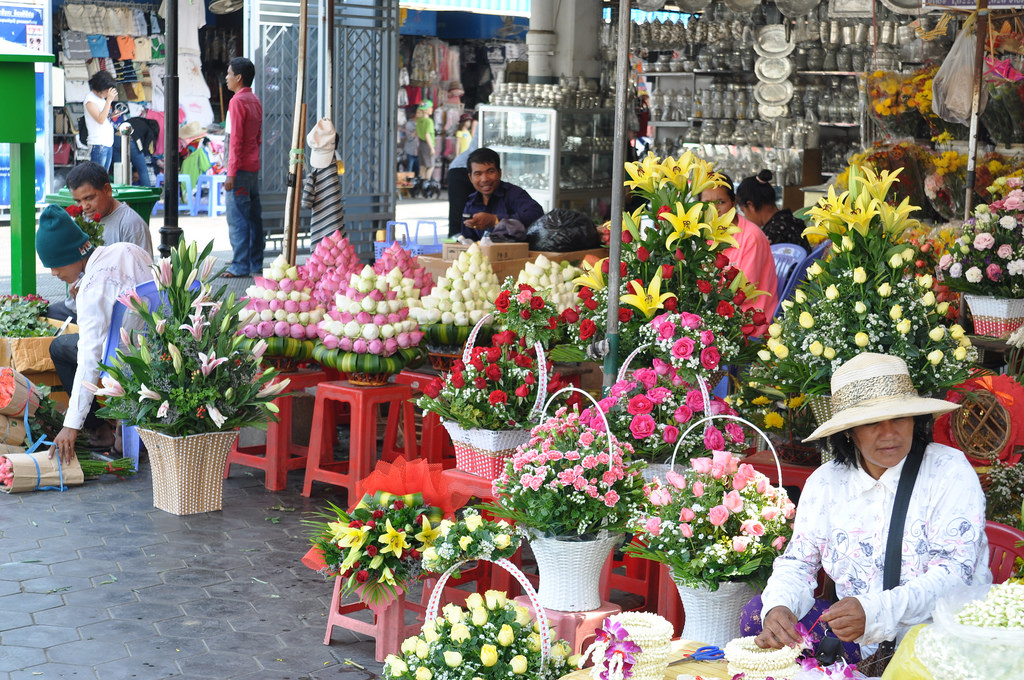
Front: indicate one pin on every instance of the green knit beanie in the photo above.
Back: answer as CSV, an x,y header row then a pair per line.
x,y
59,241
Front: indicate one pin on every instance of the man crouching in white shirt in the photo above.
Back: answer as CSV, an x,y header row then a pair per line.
x,y
105,273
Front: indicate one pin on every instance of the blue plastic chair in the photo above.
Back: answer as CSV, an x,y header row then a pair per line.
x,y
428,248
787,256
799,273
154,298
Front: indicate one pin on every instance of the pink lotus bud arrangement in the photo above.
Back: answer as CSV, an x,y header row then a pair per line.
x,y
370,317
281,304
329,267
397,257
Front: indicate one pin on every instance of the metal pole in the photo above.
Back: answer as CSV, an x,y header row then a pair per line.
x,y
291,223
980,32
611,360
170,233
124,170
329,65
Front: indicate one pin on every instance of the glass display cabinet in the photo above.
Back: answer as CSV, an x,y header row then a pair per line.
x,y
562,158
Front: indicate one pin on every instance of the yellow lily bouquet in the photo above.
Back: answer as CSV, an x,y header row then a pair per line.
x,y
376,548
863,298
673,258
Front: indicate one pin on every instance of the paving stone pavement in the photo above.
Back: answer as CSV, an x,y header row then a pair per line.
x,y
96,583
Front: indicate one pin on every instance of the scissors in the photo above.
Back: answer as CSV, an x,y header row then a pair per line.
x,y
706,653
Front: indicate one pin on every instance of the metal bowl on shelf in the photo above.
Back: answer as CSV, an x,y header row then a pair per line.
x,y
796,8
773,93
692,6
742,6
772,42
773,69
771,111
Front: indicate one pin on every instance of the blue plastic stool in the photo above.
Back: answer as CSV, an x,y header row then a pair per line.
x,y
214,203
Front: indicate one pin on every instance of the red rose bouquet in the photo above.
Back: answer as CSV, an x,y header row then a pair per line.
x,y
377,547
526,311
652,408
90,224
720,520
496,390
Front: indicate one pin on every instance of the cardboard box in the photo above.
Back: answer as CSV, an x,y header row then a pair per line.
x,y
50,379
573,257
499,252
30,355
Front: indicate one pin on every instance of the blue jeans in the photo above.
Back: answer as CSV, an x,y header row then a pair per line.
x,y
245,225
101,155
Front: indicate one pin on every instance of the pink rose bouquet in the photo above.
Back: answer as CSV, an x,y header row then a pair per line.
x,y
562,482
653,407
988,257
695,345
719,520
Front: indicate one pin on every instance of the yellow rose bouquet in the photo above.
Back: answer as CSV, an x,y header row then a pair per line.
x,y
491,638
471,538
864,298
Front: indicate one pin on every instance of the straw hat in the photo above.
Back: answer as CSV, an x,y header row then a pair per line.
x,y
871,388
321,140
190,131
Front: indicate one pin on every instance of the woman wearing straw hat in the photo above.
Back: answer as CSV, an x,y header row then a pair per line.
x,y
881,434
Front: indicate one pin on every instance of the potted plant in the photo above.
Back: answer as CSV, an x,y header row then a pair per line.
x,y
189,382
489,401
717,526
987,264
571,486
865,297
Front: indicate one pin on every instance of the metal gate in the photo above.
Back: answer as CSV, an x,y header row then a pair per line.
x,y
365,80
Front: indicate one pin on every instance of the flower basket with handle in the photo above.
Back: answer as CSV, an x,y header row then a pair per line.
x,y
995,316
484,452
714,587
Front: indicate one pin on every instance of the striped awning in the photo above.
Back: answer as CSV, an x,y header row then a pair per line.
x,y
515,8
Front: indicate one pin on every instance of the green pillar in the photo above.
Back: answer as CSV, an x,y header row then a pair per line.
x,y
18,127
23,219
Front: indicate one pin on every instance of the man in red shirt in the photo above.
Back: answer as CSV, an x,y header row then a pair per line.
x,y
245,222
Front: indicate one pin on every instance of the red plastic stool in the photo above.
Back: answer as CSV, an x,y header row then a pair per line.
x,y
389,628
669,606
576,628
280,454
362,452
632,575
435,445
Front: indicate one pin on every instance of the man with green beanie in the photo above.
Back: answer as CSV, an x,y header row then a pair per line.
x,y
105,272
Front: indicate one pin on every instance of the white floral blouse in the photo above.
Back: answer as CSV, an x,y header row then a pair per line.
x,y
841,525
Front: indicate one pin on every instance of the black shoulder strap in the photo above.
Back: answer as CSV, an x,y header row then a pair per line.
x,y
894,543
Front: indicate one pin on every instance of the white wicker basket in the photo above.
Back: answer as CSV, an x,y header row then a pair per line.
x,y
651,632
995,317
570,571
713,617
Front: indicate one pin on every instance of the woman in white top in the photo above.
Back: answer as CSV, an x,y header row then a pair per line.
x,y
103,92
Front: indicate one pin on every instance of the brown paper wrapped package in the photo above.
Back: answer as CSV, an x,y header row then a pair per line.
x,y
35,470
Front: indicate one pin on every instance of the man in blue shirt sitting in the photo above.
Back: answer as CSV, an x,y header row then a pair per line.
x,y
495,201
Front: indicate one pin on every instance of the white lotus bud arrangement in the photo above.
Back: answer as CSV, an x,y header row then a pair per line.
x,y
552,280
280,304
395,257
463,295
370,317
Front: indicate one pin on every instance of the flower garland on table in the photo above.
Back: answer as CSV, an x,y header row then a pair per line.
x,y
376,548
751,662
619,651
492,638
560,483
864,298
720,520
471,538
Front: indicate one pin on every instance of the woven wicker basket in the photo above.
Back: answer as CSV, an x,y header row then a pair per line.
x,y
995,317
713,617
570,571
981,427
484,452
188,472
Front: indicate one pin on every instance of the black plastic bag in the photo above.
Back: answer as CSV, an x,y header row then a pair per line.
x,y
562,231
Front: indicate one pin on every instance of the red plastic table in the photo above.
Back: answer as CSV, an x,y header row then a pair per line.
x,y
792,475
